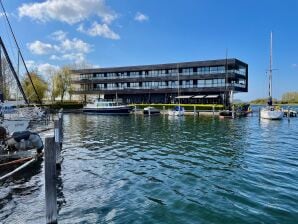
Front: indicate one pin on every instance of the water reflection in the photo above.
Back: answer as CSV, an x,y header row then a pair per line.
x,y
138,169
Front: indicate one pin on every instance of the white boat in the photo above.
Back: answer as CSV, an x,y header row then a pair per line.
x,y
15,125
101,106
151,110
271,112
177,111
12,120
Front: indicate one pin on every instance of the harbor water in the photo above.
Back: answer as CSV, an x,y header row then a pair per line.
x,y
160,169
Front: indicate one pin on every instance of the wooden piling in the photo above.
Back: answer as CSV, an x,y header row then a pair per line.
x,y
58,142
50,180
213,110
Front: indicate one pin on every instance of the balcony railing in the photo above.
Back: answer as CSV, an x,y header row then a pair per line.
x,y
162,87
243,73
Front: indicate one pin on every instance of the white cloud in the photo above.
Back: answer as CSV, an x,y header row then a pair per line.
x,y
65,49
43,69
102,30
30,64
141,17
40,48
74,45
69,11
295,65
46,68
59,35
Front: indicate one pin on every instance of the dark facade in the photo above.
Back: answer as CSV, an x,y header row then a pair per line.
x,y
199,82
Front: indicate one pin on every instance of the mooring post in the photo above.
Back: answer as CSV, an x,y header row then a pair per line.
x,y
288,114
259,113
233,111
213,110
194,110
60,116
58,144
50,180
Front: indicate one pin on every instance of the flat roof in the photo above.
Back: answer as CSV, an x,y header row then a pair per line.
x,y
176,65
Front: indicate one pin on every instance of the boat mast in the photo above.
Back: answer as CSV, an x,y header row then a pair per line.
x,y
19,51
270,68
13,71
178,85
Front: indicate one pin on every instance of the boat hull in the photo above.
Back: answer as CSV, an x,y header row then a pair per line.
x,y
151,111
122,110
271,114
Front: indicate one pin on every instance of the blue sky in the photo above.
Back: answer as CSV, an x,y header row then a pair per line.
x,y
53,33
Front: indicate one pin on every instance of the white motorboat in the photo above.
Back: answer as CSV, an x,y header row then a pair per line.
x,y
271,112
101,106
151,110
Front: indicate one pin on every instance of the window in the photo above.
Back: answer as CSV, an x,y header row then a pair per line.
x,y
187,71
201,83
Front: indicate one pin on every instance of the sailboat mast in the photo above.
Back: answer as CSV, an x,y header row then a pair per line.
x,y
178,85
20,53
270,67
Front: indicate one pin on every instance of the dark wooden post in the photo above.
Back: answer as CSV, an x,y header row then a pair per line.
x,y
50,180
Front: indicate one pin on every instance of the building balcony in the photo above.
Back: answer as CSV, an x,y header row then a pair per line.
x,y
164,89
171,76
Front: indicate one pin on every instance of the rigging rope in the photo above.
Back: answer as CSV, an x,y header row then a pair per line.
x,y
5,15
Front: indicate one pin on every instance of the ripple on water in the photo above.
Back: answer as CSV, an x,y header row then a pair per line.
x,y
135,169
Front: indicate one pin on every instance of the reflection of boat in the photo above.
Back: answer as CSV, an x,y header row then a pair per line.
x,y
177,111
271,112
151,110
101,106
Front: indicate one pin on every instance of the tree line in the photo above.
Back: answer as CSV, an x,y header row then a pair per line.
x,y
287,98
55,84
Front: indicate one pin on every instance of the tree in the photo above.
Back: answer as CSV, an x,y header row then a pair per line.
x,y
39,83
290,97
7,81
62,82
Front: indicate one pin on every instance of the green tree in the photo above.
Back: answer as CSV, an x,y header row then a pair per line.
x,y
7,81
290,97
40,85
62,83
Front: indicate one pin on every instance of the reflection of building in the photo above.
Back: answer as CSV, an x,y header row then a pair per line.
x,y
199,81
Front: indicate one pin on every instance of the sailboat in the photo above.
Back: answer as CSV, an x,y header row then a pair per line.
x,y
177,110
271,112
